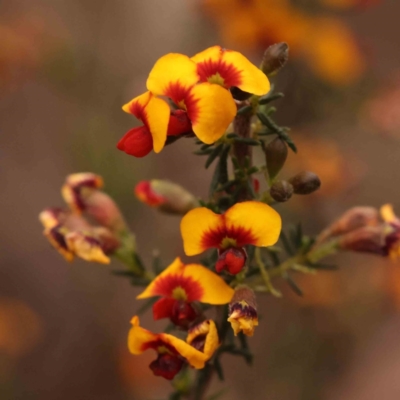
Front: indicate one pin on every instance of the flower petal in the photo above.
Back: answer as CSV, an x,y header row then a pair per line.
x,y
153,289
137,105
253,222
211,109
195,225
209,330
387,213
232,68
138,337
215,289
162,308
172,69
156,117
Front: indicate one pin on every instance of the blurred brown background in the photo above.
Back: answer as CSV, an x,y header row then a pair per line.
x,y
66,67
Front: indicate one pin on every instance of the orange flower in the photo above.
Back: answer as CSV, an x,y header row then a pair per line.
x,y
198,86
180,285
250,222
172,352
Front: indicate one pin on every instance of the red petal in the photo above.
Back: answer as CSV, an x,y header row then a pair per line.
x,y
163,308
137,142
179,123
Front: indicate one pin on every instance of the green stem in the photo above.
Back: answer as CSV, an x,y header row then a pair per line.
x,y
264,273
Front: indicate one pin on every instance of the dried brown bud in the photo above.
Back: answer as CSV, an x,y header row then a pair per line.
x,y
305,182
281,191
243,311
276,153
275,58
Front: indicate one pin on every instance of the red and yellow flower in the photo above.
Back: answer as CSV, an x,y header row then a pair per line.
x,y
173,352
199,88
248,223
180,285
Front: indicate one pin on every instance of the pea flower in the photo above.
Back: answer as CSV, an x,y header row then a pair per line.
x,y
172,352
198,86
248,223
180,285
243,311
82,192
71,235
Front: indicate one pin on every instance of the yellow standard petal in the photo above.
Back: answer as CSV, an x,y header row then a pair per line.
x,y
175,268
138,337
172,69
194,227
259,221
215,289
230,68
211,109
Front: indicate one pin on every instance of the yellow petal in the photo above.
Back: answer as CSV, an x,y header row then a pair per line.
x,y
176,267
259,221
137,105
387,213
234,69
216,290
253,80
138,337
209,330
156,118
211,109
194,225
171,69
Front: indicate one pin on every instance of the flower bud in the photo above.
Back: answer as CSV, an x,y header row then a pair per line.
x,y
276,153
81,193
243,311
354,218
167,196
305,182
275,58
369,239
231,260
281,191
137,142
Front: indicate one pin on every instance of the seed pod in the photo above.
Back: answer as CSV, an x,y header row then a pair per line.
x,y
276,154
305,182
281,191
275,58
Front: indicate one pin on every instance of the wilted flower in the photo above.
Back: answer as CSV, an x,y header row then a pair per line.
x,y
198,86
180,285
243,311
82,192
166,196
250,222
172,352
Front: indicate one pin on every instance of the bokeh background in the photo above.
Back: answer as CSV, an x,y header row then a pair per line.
x,y
67,66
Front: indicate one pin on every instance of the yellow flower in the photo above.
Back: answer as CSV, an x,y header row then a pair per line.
x,y
172,352
179,285
250,222
198,86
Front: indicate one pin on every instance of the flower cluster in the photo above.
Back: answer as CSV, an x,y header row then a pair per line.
x,y
198,88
